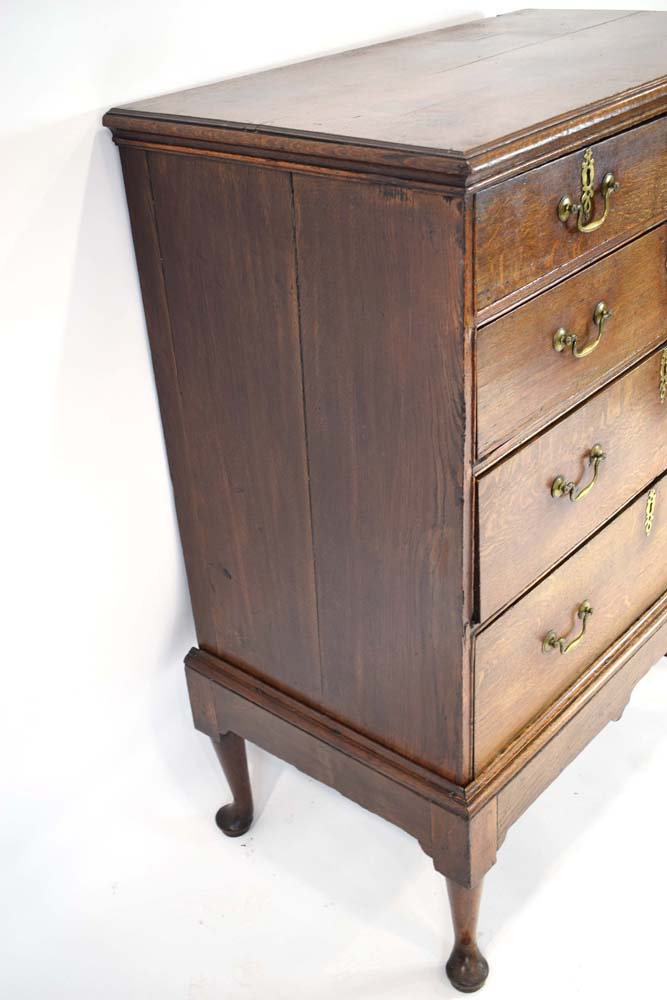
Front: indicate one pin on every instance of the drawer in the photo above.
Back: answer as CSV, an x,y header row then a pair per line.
x,y
620,572
516,355
523,528
519,237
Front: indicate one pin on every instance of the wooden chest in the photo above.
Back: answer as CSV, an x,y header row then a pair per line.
x,y
407,308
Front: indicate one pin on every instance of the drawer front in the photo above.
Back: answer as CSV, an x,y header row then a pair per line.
x,y
519,236
620,572
517,357
523,528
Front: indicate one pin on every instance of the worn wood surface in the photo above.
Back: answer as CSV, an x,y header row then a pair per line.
x,y
204,671
158,323
463,845
313,755
523,526
227,247
541,769
459,835
621,571
587,688
515,356
522,212
235,818
407,94
467,968
350,268
381,289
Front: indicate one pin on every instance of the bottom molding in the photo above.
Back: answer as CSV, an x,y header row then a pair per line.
x,y
217,709
606,704
460,828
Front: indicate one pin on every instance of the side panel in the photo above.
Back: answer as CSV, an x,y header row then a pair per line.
x,y
147,251
381,294
226,241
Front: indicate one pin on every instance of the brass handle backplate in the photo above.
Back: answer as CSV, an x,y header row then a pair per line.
x,y
553,641
584,209
563,339
650,511
561,487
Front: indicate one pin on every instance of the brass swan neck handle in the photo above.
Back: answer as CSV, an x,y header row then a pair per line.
x,y
583,209
563,339
552,641
561,488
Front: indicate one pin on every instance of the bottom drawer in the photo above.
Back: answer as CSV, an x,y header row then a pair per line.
x,y
607,703
596,594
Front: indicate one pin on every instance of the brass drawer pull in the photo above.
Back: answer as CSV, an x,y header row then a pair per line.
x,y
584,208
560,487
563,339
552,641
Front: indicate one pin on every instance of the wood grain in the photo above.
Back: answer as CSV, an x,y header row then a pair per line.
x,y
158,323
381,291
234,818
543,768
463,846
515,356
621,571
350,777
352,271
409,92
203,667
523,526
467,968
462,819
227,248
522,212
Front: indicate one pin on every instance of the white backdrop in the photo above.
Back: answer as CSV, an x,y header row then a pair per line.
x,y
115,882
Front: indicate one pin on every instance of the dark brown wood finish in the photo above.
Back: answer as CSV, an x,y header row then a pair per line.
x,y
523,526
352,271
516,359
235,818
381,293
158,323
400,103
467,968
523,211
568,741
346,95
457,827
226,239
621,572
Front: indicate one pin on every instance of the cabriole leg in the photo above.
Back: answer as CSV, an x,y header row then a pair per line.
x,y
235,818
467,968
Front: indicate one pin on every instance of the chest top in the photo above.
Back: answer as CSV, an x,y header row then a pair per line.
x,y
474,100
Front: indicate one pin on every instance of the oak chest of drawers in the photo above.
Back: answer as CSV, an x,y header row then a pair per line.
x,y
407,308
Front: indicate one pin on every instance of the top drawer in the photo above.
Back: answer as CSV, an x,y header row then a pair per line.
x,y
519,236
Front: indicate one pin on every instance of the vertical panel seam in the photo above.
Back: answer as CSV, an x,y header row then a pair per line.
x,y
305,429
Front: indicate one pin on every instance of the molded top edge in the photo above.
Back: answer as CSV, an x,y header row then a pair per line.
x,y
464,103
